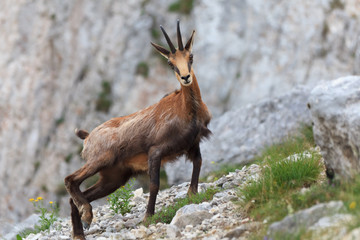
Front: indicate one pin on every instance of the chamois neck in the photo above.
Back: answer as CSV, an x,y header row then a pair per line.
x,y
191,95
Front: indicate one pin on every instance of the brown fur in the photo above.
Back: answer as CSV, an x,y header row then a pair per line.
x,y
142,141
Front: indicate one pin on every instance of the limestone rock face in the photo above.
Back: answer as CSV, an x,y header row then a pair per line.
x,y
67,64
335,111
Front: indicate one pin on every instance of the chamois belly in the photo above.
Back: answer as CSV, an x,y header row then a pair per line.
x,y
139,163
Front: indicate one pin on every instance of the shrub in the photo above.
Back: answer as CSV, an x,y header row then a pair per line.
x,y
120,199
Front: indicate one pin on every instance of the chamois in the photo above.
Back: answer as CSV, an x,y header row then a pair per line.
x,y
143,141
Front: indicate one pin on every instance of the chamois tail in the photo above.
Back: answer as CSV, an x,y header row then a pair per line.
x,y
81,133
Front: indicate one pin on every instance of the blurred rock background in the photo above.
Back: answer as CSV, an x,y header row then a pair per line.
x,y
67,64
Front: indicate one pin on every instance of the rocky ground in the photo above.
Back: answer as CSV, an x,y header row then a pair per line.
x,y
219,218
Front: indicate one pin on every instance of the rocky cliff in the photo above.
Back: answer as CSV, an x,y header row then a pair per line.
x,y
67,64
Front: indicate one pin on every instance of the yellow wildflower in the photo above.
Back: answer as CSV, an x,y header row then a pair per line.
x,y
39,198
31,200
212,162
36,200
352,205
51,202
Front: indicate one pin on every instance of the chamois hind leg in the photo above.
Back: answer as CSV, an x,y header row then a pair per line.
x,y
110,180
73,181
78,232
195,156
154,172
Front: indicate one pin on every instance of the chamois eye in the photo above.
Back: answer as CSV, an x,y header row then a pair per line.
x,y
191,57
171,65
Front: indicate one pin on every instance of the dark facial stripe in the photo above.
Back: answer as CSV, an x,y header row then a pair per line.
x,y
177,70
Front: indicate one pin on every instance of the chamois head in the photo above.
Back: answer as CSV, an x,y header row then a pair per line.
x,y
180,59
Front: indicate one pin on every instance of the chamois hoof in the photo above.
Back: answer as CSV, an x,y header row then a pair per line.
x,y
86,225
79,238
192,193
86,216
146,218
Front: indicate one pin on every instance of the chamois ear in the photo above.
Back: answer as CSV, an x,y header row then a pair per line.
x,y
161,50
190,42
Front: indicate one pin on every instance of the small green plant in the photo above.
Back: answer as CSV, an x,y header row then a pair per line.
x,y
120,199
68,158
37,166
104,102
142,69
182,6
59,121
48,215
336,4
167,213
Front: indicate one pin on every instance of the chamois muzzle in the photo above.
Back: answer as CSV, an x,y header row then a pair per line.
x,y
186,77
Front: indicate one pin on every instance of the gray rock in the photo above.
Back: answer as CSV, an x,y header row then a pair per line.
x,y
172,231
192,214
305,218
33,236
28,223
131,223
67,238
239,231
181,194
335,112
353,235
332,221
239,135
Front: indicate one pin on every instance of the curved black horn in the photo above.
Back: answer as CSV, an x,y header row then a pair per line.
x,y
172,48
180,43
188,45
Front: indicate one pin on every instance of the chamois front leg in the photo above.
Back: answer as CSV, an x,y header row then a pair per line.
x,y
195,156
154,172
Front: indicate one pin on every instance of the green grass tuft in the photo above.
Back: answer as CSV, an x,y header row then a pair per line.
x,y
277,192
282,175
